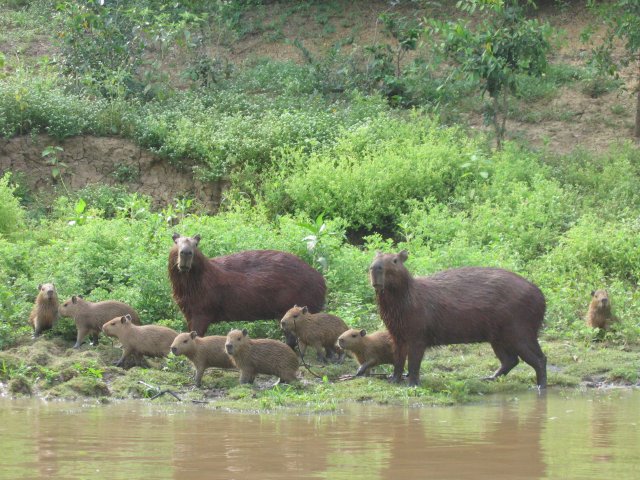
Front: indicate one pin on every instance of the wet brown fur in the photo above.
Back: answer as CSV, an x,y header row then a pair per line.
x,y
318,330
204,352
464,305
90,316
246,286
599,314
45,310
370,350
253,356
150,340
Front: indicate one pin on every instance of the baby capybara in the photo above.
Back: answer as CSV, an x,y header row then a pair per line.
x,y
370,350
245,286
204,352
462,305
45,310
599,314
261,355
319,330
150,340
90,316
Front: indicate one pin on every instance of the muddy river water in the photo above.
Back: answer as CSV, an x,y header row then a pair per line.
x,y
556,436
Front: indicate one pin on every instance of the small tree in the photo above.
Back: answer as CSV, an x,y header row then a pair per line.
x,y
501,47
622,18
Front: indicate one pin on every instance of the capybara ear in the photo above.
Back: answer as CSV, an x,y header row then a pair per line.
x,y
196,237
123,319
245,332
363,332
74,299
593,292
194,334
175,237
379,253
305,310
127,317
403,255
40,287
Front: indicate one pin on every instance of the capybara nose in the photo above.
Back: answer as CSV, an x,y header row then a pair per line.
x,y
605,301
229,348
186,252
174,350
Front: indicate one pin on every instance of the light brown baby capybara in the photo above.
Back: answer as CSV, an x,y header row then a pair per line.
x,y
370,350
319,330
204,352
262,355
599,314
460,305
150,340
90,316
45,310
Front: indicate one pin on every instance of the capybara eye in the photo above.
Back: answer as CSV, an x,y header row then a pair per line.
x,y
185,341
295,316
395,260
353,335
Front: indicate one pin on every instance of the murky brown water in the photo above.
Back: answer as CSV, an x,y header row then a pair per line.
x,y
571,436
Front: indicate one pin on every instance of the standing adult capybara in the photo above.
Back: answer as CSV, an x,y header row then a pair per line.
x,y
599,314
261,355
250,285
90,316
319,330
150,340
204,352
370,350
462,305
45,310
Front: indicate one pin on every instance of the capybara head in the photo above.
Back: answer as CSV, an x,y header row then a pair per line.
x,y
113,326
387,269
70,307
184,343
187,247
48,291
288,322
236,339
601,299
351,337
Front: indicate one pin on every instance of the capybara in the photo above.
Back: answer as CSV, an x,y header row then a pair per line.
x,y
45,310
90,316
150,340
462,305
370,350
319,330
250,285
204,352
261,355
599,314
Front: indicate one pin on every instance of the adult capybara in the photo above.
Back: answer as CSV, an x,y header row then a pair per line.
x,y
599,314
261,355
319,330
250,285
462,305
150,340
204,352
370,350
90,317
45,310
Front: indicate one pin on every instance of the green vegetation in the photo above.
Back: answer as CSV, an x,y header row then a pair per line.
x,y
352,151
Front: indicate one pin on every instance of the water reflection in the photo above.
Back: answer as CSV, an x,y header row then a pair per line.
x,y
583,436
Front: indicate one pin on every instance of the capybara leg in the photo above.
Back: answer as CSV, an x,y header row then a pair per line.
x,y
508,360
199,324
199,374
362,370
399,359
125,353
95,340
416,353
322,358
82,332
36,330
247,376
291,340
532,354
303,347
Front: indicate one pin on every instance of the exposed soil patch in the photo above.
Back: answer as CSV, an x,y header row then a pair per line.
x,y
107,161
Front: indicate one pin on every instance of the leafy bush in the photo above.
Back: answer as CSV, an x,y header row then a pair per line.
x,y
11,213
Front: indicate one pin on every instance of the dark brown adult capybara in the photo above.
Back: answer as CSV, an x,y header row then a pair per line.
x,y
599,314
462,305
150,340
45,310
250,285
370,350
319,330
204,352
90,316
261,355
